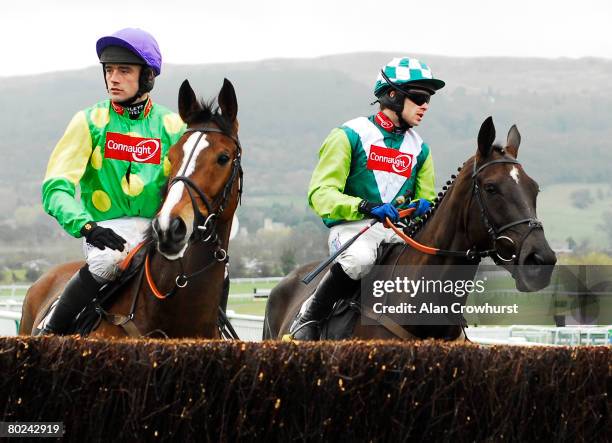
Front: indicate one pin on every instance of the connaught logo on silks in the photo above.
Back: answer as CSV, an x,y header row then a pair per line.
x,y
390,160
133,149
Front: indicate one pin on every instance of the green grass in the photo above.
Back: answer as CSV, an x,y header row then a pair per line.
x,y
247,288
8,293
248,306
562,220
240,305
13,277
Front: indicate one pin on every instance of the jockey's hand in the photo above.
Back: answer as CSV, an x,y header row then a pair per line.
x,y
379,211
101,237
422,206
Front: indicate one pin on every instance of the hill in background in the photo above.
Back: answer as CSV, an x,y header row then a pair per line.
x,y
563,109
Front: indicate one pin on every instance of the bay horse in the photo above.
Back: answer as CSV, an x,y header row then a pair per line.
x,y
188,238
487,209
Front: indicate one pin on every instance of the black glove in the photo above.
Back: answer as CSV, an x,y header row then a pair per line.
x,y
102,237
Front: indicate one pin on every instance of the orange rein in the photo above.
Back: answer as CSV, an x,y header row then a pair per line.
x,y
410,241
125,263
150,281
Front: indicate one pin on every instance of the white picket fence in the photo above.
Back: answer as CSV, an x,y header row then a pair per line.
x,y
9,322
250,327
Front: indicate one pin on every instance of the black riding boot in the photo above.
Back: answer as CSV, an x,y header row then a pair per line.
x,y
79,290
332,287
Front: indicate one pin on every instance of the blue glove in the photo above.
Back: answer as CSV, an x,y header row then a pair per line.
x,y
422,206
379,211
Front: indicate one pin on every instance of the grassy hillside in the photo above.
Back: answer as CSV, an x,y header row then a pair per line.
x,y
288,106
562,219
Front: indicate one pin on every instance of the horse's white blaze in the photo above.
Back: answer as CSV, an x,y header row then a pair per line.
x,y
514,173
176,191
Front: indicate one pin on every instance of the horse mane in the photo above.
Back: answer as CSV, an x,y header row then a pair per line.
x,y
209,112
415,226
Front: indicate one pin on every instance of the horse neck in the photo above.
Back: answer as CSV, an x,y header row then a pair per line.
x,y
447,228
193,310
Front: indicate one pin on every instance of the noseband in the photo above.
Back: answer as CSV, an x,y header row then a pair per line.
x,y
493,232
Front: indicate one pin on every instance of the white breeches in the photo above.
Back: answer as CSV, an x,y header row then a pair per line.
x,y
104,263
359,258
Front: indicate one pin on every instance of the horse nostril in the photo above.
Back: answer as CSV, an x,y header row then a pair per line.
x,y
177,230
534,259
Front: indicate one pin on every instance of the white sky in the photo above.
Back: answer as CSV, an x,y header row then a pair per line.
x,y
41,36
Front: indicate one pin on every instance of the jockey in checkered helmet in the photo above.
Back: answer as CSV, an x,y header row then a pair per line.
x,y
386,160
403,78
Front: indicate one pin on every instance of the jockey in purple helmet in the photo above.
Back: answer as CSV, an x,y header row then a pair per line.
x,y
133,46
100,153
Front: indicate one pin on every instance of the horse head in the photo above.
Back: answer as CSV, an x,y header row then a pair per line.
x,y
501,214
206,176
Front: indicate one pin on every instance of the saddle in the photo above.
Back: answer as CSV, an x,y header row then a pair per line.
x,y
341,322
89,318
132,267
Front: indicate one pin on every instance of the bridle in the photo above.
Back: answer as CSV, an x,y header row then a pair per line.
x,y
495,234
204,228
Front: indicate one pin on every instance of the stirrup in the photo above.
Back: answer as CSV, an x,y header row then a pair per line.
x,y
290,337
44,331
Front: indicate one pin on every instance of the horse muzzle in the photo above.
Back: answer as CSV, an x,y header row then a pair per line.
x,y
535,264
172,241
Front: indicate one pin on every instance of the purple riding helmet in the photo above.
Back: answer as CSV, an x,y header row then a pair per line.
x,y
132,46
137,41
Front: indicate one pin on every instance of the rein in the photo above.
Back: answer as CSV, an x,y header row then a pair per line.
x,y
494,233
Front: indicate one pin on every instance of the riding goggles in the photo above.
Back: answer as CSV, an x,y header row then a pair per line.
x,y
417,97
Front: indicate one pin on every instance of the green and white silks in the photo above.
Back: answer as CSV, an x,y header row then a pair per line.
x,y
361,160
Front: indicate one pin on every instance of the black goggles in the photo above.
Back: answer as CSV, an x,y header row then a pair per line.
x,y
417,97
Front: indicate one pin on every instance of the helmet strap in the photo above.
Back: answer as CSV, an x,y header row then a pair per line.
x,y
396,103
146,81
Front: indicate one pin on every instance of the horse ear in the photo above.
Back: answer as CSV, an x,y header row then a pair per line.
x,y
187,101
486,137
227,101
514,141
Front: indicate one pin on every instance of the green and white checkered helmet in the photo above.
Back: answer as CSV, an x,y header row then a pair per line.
x,y
403,71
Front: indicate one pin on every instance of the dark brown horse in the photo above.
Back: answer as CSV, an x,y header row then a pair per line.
x,y
489,209
188,240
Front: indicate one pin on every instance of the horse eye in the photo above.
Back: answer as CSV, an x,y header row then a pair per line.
x,y
223,159
490,188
